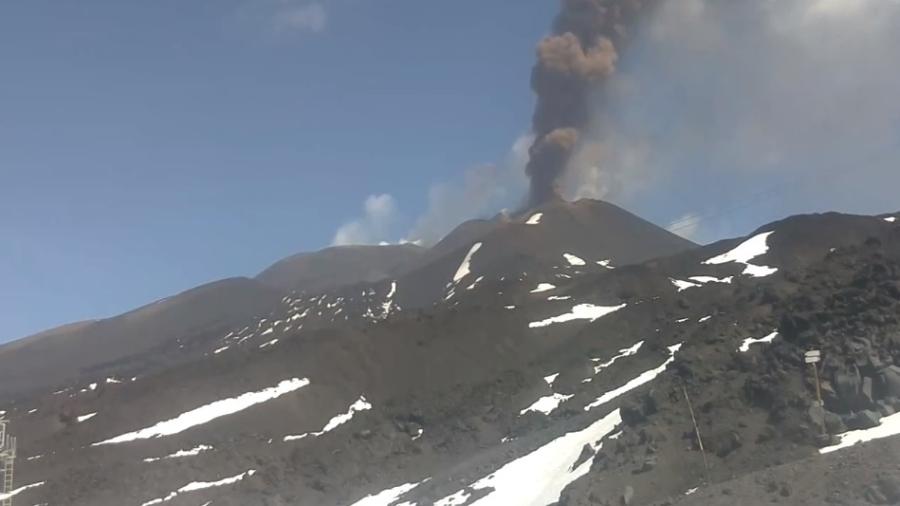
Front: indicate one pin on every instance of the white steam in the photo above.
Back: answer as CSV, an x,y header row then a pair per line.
x,y
380,214
718,100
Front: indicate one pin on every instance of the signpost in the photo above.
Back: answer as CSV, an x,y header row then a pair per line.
x,y
812,358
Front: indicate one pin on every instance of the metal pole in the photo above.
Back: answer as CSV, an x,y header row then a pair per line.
x,y
697,431
818,385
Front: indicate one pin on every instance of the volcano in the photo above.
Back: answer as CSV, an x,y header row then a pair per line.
x,y
575,355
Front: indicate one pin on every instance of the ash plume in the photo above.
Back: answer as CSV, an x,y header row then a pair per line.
x,y
573,65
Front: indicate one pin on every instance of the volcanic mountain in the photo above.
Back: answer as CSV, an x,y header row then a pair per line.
x,y
576,355
340,286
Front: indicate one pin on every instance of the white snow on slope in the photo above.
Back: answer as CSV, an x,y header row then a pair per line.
x,y
574,260
605,263
201,485
84,418
389,300
550,380
711,279
10,495
266,344
682,285
559,297
625,352
890,219
193,452
745,252
475,283
705,319
641,380
389,496
544,287
538,478
745,346
209,412
535,219
579,312
889,426
360,405
465,267
547,404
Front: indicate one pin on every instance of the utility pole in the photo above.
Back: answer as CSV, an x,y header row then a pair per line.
x,y
7,460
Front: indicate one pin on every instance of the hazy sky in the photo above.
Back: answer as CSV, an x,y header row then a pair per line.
x,y
148,147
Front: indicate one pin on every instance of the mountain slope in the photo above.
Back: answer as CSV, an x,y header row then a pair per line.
x,y
507,395
332,268
103,347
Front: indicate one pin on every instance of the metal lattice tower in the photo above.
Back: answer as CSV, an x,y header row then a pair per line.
x,y
7,459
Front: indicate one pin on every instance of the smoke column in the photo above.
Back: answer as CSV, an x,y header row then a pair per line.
x,y
573,64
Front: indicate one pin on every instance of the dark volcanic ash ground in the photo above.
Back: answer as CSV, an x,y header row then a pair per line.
x,y
548,365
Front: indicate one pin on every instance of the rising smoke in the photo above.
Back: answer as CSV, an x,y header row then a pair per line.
x,y
774,107
574,64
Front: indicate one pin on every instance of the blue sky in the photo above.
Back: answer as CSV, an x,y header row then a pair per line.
x,y
148,147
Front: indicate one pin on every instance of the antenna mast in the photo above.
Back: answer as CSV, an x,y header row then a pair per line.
x,y
7,458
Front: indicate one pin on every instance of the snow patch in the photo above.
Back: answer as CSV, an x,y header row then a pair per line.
x,y
547,404
711,279
573,260
269,343
745,252
605,263
683,285
465,267
389,496
535,219
890,219
201,485
889,426
10,495
538,478
209,412
544,287
84,418
641,380
745,346
193,452
360,405
705,319
550,380
579,312
625,352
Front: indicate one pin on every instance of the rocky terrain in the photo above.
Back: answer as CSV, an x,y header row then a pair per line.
x,y
576,355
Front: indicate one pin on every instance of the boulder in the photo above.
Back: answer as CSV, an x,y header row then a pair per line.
x,y
834,424
885,409
865,419
628,496
890,381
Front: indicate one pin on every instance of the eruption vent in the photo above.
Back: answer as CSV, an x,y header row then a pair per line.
x,y
572,65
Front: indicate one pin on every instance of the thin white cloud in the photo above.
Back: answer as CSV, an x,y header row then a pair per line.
x,y
484,191
380,214
309,17
687,226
